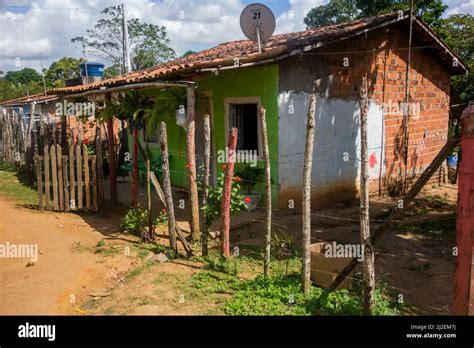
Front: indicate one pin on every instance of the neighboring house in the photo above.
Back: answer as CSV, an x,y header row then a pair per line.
x,y
236,79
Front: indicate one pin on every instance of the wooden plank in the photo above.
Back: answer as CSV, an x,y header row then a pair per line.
x,y
158,189
65,184
60,177
39,181
94,181
100,173
72,180
79,176
86,176
47,183
54,177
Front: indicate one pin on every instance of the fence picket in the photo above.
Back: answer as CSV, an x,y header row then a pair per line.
x,y
79,176
86,176
54,174
72,184
65,184
94,181
60,176
47,184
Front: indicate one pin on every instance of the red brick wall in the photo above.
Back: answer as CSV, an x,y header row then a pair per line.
x,y
382,57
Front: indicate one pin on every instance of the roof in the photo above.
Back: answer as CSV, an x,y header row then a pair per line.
x,y
38,98
277,47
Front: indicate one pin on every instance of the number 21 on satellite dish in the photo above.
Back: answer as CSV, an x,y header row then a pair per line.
x,y
257,23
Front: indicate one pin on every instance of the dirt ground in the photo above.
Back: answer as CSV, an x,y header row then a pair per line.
x,y
87,266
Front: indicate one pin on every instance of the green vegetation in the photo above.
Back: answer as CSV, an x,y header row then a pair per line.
x,y
135,221
13,187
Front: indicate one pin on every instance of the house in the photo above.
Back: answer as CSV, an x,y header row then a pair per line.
x,y
236,78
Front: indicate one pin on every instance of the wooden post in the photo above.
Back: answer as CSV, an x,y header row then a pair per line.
x,y
100,172
135,166
226,193
54,173
205,193
397,212
112,160
39,170
47,188
65,184
167,186
87,183
191,156
268,192
308,163
151,229
463,296
72,185
60,176
79,175
368,263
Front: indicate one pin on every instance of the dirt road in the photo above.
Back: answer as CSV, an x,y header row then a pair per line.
x,y
43,287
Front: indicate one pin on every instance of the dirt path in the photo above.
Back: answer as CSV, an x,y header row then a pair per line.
x,y
42,287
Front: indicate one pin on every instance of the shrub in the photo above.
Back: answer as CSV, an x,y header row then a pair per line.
x,y
136,221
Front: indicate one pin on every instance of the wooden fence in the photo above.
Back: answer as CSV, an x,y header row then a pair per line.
x,y
70,178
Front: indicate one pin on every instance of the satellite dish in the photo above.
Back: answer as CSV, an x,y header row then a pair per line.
x,y
257,23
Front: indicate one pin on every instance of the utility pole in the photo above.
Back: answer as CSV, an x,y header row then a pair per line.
x,y
85,62
126,53
42,74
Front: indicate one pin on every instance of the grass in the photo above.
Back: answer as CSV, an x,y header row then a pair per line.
x,y
445,225
12,188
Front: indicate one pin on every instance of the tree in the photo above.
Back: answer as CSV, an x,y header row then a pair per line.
x,y
336,11
187,53
149,43
458,32
23,76
61,70
112,71
339,11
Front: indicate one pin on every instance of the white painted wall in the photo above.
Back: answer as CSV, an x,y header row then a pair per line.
x,y
337,138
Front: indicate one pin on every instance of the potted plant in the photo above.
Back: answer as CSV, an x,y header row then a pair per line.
x,y
249,176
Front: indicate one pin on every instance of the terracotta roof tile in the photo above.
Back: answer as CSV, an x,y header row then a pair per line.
x,y
245,50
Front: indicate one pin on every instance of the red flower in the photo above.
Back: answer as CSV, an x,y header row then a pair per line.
x,y
248,199
223,167
188,166
86,141
237,179
164,210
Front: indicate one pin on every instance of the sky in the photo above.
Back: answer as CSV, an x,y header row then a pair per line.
x,y
36,33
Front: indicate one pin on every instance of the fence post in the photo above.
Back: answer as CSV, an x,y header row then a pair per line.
x,y
308,163
205,193
135,166
112,161
368,263
268,192
226,194
463,296
100,173
191,156
167,186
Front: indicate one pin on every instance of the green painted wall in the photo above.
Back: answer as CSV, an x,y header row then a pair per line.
x,y
250,82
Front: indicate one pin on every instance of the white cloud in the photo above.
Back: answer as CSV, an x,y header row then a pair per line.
x,y
460,6
292,20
